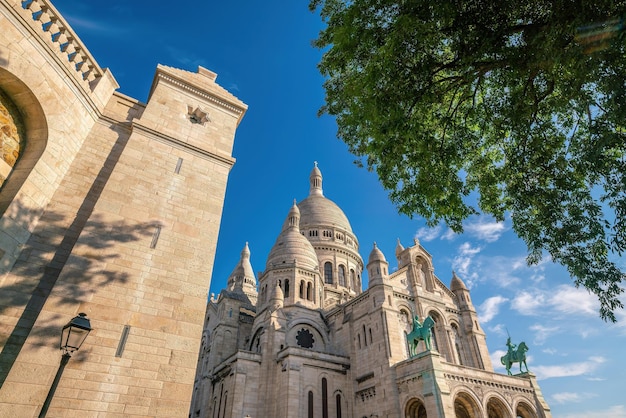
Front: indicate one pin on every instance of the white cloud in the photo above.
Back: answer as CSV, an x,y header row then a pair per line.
x,y
541,333
490,308
485,229
449,235
568,397
570,369
462,262
616,411
564,299
569,300
528,303
495,359
428,234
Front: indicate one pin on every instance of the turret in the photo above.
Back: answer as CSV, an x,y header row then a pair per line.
x,y
377,267
242,278
476,346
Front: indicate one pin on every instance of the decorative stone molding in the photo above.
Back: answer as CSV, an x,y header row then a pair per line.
x,y
197,115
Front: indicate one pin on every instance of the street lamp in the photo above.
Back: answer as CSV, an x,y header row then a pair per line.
x,y
73,335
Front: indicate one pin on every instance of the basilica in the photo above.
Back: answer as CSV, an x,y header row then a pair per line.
x,y
304,339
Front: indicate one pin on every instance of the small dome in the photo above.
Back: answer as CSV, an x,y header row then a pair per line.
x,y
457,283
291,245
376,255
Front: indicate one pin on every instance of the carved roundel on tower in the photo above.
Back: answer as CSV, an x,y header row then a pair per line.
x,y
304,338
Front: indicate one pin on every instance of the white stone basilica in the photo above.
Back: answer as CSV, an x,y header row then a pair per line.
x,y
305,340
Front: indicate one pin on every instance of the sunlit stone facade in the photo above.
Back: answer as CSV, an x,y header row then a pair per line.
x,y
110,207
312,343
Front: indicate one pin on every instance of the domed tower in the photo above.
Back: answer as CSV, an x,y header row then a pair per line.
x,y
327,228
478,352
377,267
293,266
242,278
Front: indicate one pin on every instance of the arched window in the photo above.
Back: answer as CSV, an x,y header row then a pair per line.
x,y
328,272
310,406
342,275
309,291
286,288
352,279
301,289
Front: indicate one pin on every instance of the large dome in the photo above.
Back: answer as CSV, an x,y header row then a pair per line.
x,y
317,210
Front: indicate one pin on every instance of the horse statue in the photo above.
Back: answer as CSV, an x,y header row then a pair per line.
x,y
420,332
515,356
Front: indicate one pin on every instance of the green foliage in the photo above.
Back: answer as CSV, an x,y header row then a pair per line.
x,y
521,103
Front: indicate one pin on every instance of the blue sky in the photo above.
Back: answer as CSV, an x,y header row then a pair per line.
x,y
262,53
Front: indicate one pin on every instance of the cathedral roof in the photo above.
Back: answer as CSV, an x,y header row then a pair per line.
x,y
291,245
317,210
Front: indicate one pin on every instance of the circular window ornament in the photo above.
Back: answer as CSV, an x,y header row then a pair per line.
x,y
304,338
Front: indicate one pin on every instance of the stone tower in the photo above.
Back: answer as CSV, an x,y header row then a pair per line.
x,y
110,207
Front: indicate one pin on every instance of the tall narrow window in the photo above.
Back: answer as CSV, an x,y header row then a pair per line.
x,y
338,405
309,291
301,289
286,288
310,415
364,336
324,398
328,272
352,279
342,276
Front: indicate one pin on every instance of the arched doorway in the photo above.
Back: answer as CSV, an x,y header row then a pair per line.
x,y
497,409
524,410
465,406
28,123
12,136
415,409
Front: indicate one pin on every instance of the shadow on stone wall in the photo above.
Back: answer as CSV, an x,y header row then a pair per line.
x,y
50,250
32,280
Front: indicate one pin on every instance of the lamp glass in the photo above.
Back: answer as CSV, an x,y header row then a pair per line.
x,y
74,333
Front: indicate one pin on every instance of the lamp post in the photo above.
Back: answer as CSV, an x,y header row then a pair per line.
x,y
72,337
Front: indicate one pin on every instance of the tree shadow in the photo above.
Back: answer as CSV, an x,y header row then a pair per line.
x,y
77,247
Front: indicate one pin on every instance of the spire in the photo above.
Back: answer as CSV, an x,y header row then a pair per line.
x,y
293,218
242,278
399,248
315,180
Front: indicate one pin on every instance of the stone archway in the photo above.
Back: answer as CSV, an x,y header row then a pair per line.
x,y
12,136
28,117
497,409
465,406
415,409
524,410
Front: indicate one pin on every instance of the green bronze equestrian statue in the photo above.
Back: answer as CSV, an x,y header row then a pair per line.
x,y
420,332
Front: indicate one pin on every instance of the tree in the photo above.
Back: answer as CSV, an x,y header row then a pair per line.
x,y
516,107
